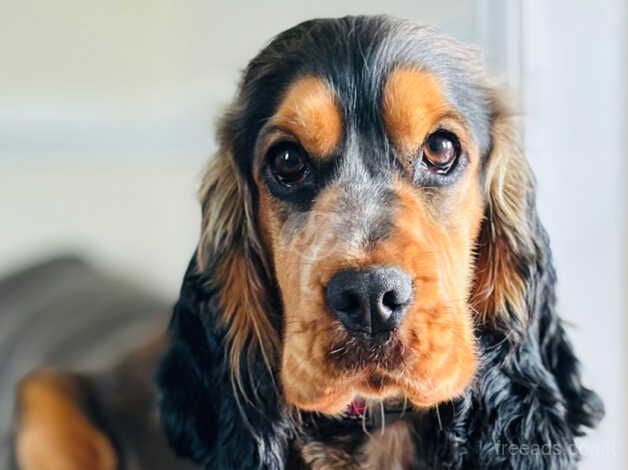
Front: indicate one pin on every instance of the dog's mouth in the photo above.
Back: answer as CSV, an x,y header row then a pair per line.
x,y
358,352
372,365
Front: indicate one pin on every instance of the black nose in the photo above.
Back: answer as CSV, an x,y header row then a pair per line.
x,y
371,301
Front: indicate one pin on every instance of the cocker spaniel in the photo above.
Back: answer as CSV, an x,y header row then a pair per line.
x,y
372,287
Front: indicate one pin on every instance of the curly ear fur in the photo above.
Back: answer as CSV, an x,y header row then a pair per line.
x,y
241,272
507,243
218,400
528,391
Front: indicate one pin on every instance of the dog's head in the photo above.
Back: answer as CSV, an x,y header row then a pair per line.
x,y
359,162
369,207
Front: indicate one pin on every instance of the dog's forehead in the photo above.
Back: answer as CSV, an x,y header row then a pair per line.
x,y
355,57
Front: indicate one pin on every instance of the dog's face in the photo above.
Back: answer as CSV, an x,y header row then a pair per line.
x,y
371,232
362,148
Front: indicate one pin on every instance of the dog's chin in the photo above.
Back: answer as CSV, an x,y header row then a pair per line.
x,y
337,398
352,367
333,404
334,395
369,371
338,402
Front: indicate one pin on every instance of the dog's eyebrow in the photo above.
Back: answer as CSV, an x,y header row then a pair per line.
x,y
309,110
413,102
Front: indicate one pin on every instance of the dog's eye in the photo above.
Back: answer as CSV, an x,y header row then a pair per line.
x,y
440,151
289,163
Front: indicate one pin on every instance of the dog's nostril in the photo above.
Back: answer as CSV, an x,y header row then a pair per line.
x,y
390,303
397,297
349,302
370,301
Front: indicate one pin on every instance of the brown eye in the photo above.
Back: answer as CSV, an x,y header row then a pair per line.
x,y
289,163
440,151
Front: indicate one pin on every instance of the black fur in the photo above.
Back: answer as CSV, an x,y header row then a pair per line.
x,y
202,417
528,390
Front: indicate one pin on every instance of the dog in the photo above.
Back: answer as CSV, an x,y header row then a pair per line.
x,y
372,287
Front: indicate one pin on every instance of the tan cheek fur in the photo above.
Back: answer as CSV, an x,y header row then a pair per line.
x,y
306,320
438,329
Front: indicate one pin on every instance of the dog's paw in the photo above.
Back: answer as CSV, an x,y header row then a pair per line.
x,y
52,431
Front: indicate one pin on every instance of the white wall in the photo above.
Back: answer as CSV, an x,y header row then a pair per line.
x,y
574,80
107,110
146,78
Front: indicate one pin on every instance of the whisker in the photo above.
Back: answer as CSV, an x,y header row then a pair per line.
x,y
440,423
383,417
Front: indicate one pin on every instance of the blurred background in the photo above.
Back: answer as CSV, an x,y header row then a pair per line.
x,y
106,121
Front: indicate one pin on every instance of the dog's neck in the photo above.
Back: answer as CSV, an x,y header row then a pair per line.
x,y
369,435
391,447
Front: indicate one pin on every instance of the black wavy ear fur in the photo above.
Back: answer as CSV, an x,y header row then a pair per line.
x,y
528,391
217,395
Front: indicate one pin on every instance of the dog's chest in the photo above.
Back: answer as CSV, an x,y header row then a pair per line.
x,y
390,449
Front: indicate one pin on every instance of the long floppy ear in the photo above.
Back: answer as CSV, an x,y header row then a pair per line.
x,y
217,395
528,390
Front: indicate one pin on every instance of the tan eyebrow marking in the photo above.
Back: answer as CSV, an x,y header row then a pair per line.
x,y
310,111
413,104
